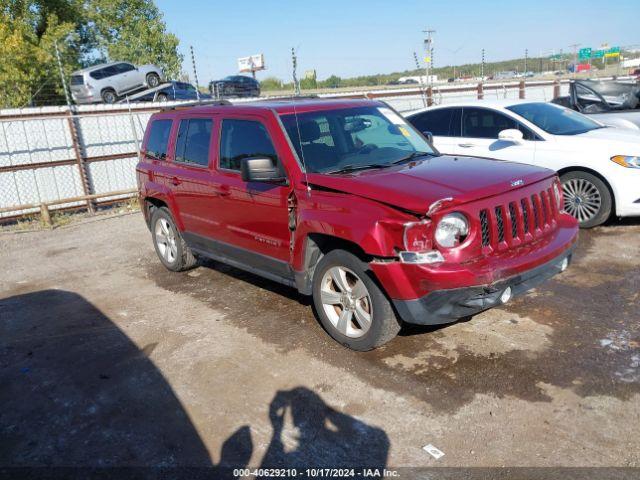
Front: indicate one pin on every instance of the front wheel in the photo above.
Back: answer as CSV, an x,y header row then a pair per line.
x,y
351,306
587,198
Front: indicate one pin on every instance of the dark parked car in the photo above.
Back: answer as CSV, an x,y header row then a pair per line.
x,y
175,91
348,203
235,86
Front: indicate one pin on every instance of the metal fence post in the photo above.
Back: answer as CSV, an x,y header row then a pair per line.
x,y
480,91
521,89
86,187
556,88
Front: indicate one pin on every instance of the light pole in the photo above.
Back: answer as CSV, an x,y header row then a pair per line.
x,y
428,48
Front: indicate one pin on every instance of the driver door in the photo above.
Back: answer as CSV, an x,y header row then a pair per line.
x,y
480,129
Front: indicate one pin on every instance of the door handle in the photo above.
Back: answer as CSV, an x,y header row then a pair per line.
x,y
223,190
175,181
466,145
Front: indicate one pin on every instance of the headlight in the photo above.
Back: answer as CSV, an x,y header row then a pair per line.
x,y
627,161
452,230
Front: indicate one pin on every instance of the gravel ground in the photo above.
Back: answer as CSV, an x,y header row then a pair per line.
x,y
108,359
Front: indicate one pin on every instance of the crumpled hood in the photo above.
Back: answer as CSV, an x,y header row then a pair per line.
x,y
415,186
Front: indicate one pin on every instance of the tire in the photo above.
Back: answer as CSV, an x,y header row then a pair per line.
x,y
171,248
587,198
109,96
162,97
153,80
362,321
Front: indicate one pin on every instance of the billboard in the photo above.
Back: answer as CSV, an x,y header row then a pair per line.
x,y
252,63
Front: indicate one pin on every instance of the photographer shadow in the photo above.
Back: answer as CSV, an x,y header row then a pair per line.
x,y
307,433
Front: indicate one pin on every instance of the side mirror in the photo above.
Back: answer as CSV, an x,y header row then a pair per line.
x,y
511,135
429,136
260,169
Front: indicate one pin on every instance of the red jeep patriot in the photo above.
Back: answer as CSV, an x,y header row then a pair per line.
x,y
346,202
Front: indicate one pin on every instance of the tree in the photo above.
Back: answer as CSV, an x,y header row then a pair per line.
x,y
27,53
86,32
332,82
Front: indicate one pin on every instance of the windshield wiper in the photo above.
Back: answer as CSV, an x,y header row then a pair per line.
x,y
411,156
352,167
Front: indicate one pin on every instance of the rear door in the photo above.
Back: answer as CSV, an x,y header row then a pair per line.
x,y
480,129
443,124
191,178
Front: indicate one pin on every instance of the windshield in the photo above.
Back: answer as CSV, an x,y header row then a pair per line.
x,y
555,119
352,138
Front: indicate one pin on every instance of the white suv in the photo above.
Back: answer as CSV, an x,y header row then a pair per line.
x,y
109,81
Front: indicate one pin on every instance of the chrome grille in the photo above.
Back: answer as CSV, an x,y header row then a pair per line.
x,y
500,223
484,225
525,214
514,220
519,221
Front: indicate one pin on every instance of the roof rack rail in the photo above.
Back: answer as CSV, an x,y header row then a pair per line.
x,y
196,104
293,97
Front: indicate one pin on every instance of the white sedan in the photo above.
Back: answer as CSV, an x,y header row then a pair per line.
x,y
599,165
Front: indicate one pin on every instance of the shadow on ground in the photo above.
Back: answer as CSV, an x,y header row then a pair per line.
x,y
578,331
77,392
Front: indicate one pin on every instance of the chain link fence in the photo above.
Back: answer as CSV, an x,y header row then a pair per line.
x,y
66,158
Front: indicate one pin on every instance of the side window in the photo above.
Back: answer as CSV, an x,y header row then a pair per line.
x,y
98,74
243,139
124,67
158,139
485,123
438,122
109,71
194,139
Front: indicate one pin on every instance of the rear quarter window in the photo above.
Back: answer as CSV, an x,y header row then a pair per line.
x,y
158,139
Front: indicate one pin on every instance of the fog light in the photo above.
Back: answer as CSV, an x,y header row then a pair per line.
x,y
506,295
564,264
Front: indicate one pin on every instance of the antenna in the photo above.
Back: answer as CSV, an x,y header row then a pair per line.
x,y
195,74
304,164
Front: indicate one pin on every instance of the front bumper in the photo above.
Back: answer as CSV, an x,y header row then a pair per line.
x,y
446,306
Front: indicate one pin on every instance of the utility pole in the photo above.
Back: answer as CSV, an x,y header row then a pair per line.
x,y
575,57
526,54
64,82
294,61
482,67
195,74
428,48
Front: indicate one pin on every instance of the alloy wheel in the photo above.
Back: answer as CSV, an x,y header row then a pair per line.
x,y
166,240
346,302
582,199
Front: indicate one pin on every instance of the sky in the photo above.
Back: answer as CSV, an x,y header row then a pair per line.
x,y
360,37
